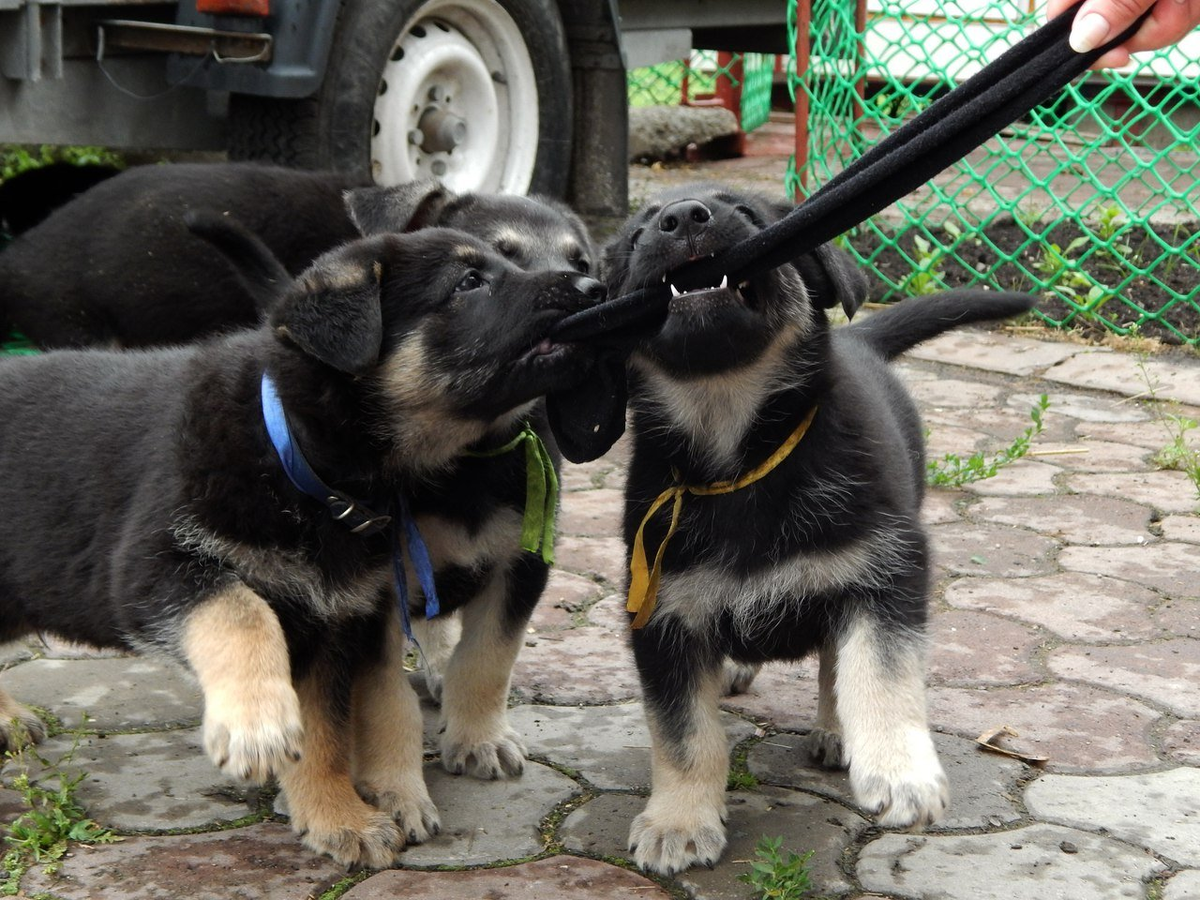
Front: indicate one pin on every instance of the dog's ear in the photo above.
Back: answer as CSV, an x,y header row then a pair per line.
x,y
333,311
832,279
402,207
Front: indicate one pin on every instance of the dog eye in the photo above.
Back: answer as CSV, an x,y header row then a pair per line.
x,y
581,265
633,241
750,214
469,282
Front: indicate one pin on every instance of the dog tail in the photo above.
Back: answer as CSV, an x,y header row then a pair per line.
x,y
260,272
902,326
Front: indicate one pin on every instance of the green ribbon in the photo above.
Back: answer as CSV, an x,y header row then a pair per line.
x,y
541,492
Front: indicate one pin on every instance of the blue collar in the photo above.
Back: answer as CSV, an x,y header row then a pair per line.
x,y
356,516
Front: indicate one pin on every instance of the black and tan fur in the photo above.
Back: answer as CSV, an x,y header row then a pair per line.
x,y
146,509
826,554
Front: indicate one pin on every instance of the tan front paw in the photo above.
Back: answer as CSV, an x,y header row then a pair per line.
x,y
412,810
488,754
668,838
19,725
907,790
256,734
371,841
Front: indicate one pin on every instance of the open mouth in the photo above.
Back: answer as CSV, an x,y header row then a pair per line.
x,y
695,298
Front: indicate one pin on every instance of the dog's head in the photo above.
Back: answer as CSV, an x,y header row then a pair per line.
x,y
714,328
440,328
538,234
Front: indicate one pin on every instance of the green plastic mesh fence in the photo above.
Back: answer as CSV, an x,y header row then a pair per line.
x,y
701,78
1091,201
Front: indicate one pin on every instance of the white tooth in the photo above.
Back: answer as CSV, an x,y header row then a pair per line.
x,y
724,282
675,292
743,285
664,277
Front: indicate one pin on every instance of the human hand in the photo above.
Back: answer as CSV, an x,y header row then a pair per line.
x,y
1099,21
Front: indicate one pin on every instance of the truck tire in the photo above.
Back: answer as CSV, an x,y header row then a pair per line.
x,y
474,93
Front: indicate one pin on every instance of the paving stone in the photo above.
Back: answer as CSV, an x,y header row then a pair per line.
x,y
593,557
1091,455
944,439
1183,886
1165,490
983,785
1081,728
570,592
1166,673
594,513
1007,552
607,745
489,821
993,351
116,694
1181,741
260,862
605,472
977,648
589,664
1168,566
1085,407
1025,864
601,828
783,694
1024,478
1150,436
149,782
1079,519
941,506
1125,374
555,878
952,393
1182,528
999,424
1158,810
1179,616
1073,605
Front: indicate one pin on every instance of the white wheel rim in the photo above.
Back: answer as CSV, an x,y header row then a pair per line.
x,y
457,101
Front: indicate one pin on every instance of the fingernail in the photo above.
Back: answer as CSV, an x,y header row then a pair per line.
x,y
1089,32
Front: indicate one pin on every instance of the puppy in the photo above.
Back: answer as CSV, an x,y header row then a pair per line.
x,y
117,267
772,510
149,508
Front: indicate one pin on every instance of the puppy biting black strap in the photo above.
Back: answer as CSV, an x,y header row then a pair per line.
x,y
1025,75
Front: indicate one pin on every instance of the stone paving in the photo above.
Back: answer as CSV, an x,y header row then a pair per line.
x,y
1067,607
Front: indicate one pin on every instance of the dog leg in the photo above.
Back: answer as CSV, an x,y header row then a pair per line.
x,y
322,803
824,743
880,686
438,638
476,736
234,643
737,677
387,758
19,725
684,821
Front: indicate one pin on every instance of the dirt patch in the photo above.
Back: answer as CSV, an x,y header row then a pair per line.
x,y
1147,278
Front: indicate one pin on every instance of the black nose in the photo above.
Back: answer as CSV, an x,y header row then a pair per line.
x,y
591,288
685,216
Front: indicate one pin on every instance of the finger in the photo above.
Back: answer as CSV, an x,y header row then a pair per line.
x,y
1170,21
1099,21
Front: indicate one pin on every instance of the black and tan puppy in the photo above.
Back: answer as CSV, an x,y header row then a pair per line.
x,y
149,510
118,267
777,477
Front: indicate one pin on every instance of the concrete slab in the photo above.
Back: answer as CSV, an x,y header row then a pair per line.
x,y
997,550
994,352
1166,673
1183,886
1088,408
115,694
1030,863
1124,373
1023,478
1081,519
1167,491
1159,811
1167,566
971,648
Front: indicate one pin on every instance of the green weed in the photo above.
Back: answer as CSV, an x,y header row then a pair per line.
x,y
15,159
776,876
954,471
53,816
926,277
1177,453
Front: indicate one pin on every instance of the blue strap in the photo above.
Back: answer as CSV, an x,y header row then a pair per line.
x,y
418,555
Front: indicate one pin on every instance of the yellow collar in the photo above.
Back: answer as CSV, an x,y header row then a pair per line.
x,y
643,580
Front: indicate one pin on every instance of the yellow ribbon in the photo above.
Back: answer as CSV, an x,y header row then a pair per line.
x,y
643,579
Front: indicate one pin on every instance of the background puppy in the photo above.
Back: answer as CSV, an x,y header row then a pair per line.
x,y
150,511
803,533
117,267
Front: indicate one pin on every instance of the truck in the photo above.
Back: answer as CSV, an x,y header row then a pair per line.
x,y
517,96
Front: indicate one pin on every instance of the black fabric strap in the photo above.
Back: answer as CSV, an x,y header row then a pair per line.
x,y
1024,76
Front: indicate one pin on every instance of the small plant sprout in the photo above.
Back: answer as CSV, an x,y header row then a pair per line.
x,y
955,471
1178,453
926,277
776,876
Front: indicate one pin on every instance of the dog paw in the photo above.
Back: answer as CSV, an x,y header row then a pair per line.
x,y
489,758
736,677
825,748
257,737
19,726
668,844
374,843
911,793
413,811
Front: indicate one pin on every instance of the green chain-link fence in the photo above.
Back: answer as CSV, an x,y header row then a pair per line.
x,y
1091,201
701,78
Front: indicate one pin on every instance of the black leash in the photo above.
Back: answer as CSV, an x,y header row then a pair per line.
x,y
1024,76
